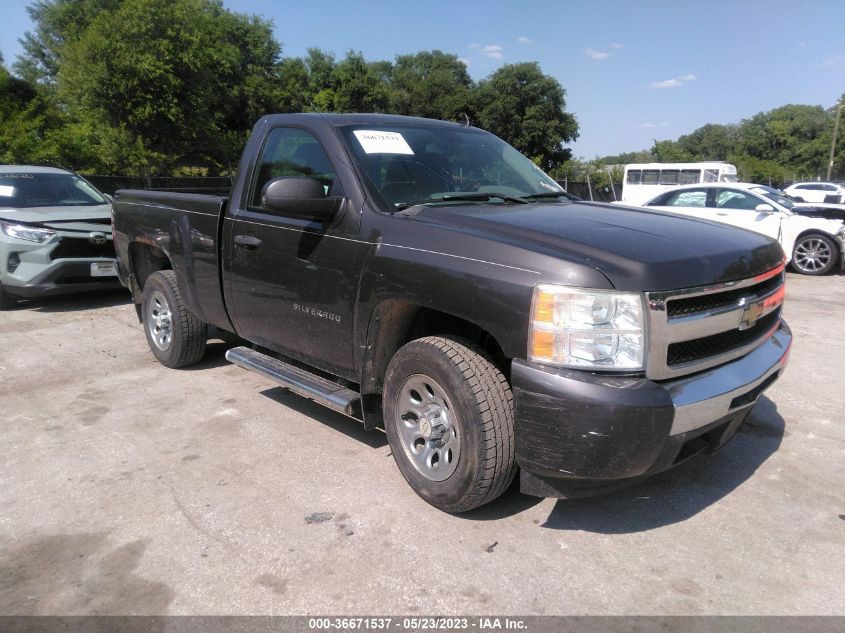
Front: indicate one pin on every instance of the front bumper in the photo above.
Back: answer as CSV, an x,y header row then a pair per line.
x,y
29,269
579,433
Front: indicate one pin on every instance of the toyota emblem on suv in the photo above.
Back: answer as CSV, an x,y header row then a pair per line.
x,y
97,238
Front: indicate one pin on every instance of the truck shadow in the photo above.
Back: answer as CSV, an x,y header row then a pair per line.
x,y
71,303
681,493
335,421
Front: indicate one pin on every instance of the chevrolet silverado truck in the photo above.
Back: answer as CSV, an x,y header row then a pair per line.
x,y
426,278
55,234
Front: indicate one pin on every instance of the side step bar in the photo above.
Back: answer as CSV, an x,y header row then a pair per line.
x,y
321,390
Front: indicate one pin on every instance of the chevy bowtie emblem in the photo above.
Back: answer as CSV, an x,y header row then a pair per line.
x,y
97,238
750,313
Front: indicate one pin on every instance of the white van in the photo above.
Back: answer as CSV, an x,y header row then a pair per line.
x,y
644,181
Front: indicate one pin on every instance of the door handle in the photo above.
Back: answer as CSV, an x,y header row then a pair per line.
x,y
249,242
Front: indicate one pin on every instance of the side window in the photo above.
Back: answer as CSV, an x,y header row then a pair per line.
x,y
292,152
634,176
669,176
711,175
686,198
690,176
651,176
733,199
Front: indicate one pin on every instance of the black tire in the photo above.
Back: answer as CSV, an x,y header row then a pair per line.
x,y
5,300
814,254
184,342
477,411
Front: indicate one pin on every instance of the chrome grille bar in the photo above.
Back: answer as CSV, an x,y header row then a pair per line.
x,y
743,311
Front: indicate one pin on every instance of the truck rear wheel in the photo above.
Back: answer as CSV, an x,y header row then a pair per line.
x,y
448,414
175,336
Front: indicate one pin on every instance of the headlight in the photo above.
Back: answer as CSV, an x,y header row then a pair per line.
x,y
587,329
29,233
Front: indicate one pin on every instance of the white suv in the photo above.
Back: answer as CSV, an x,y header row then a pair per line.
x,y
816,192
814,245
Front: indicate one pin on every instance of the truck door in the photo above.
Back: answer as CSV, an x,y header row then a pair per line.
x,y
291,281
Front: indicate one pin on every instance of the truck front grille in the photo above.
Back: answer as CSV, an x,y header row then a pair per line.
x,y
698,328
75,247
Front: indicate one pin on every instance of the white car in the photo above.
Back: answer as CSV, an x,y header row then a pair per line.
x,y
816,192
815,246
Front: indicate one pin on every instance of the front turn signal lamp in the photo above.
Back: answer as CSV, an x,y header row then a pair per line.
x,y
599,330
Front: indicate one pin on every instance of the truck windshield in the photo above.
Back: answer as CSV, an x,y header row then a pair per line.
x,y
27,190
418,164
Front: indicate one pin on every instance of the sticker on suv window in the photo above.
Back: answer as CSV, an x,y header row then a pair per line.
x,y
376,142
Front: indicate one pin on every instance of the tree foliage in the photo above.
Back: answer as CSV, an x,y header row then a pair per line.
x,y
522,105
159,86
788,143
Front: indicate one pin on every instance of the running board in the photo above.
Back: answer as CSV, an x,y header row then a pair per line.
x,y
321,390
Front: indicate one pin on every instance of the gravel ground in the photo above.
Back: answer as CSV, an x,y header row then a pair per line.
x,y
128,488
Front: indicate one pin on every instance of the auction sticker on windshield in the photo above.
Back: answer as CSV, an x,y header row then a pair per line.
x,y
376,142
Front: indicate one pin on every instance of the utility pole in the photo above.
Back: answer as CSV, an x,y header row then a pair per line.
x,y
833,142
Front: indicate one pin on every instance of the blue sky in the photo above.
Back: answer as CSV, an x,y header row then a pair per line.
x,y
633,71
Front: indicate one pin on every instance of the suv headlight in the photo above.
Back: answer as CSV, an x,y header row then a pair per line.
x,y
587,329
24,232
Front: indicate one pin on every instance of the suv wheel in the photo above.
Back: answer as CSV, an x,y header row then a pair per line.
x,y
448,415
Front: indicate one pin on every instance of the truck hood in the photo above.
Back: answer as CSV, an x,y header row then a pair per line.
x,y
636,249
60,217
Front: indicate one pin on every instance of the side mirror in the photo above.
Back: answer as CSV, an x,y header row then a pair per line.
x,y
300,197
764,208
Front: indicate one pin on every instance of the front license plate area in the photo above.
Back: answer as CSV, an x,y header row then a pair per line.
x,y
103,269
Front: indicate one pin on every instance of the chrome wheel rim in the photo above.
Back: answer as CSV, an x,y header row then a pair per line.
x,y
427,429
160,321
812,254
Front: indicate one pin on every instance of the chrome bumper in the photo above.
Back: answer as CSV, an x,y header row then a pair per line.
x,y
713,394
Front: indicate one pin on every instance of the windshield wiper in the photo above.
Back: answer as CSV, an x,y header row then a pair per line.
x,y
463,197
550,194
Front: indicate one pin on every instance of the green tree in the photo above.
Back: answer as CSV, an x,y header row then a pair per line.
x,y
430,84
527,109
358,87
57,24
792,135
710,142
180,81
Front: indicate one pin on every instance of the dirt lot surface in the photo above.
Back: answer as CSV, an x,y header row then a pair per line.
x,y
128,488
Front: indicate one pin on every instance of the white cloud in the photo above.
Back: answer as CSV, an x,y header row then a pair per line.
x,y
668,83
654,125
524,40
464,61
595,55
833,62
494,51
672,83
617,45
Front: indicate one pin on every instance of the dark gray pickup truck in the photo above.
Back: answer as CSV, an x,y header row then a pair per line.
x,y
425,277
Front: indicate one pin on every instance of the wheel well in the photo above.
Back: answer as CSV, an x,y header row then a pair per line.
x,y
144,260
395,323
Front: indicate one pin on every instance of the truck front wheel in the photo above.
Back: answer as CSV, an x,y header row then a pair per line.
x,y
448,414
175,336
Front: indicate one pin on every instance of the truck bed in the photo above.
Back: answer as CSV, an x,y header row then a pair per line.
x,y
186,226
